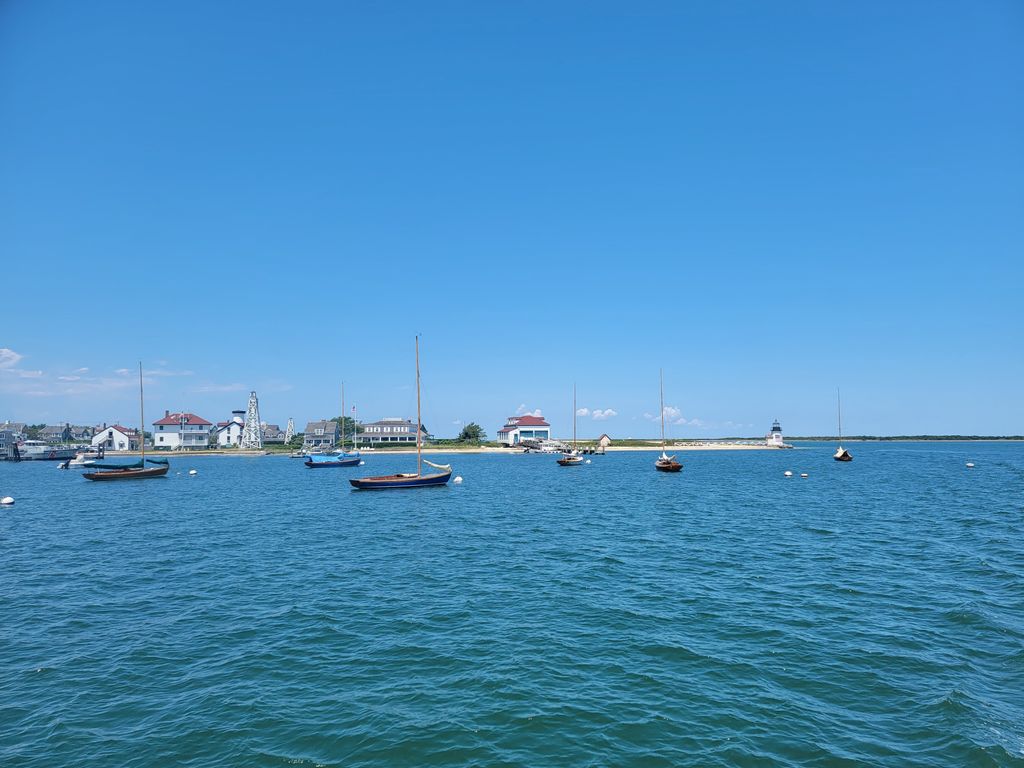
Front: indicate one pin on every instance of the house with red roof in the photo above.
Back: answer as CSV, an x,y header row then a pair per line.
x,y
519,428
181,432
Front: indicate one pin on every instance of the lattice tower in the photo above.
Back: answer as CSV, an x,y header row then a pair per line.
x,y
289,431
252,435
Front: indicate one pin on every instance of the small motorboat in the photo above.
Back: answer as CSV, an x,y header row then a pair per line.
x,y
320,461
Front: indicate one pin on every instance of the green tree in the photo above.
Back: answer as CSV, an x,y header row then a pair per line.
x,y
472,433
349,427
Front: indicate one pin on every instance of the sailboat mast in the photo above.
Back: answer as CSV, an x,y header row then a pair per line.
x,y
574,418
419,451
142,420
839,411
343,417
661,376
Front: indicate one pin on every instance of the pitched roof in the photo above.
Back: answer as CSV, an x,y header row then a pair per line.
x,y
126,431
322,424
514,422
190,419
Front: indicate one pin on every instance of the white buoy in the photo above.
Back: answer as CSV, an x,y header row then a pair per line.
x,y
787,473
362,463
7,501
587,461
192,472
803,474
970,465
458,480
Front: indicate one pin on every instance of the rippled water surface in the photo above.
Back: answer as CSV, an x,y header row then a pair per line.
x,y
263,614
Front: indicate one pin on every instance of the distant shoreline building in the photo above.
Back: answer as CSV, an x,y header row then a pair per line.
x,y
391,431
321,434
519,428
116,438
181,431
774,438
229,433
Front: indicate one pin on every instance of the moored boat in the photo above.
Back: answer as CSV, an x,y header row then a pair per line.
x,y
572,458
409,480
665,463
138,470
841,453
339,458
38,450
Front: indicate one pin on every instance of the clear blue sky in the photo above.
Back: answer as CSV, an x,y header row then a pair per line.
x,y
767,200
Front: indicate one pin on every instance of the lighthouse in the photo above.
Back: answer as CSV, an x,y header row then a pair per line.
x,y
774,438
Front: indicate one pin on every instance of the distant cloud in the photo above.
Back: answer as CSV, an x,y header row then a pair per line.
x,y
165,372
9,358
457,421
68,378
523,411
607,413
582,411
122,371
81,370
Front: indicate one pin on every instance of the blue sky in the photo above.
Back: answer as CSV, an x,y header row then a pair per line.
x,y
765,200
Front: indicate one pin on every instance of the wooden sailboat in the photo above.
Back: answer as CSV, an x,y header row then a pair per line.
x,y
417,480
341,459
665,463
841,453
572,459
138,470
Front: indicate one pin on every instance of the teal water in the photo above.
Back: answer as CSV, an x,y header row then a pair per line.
x,y
262,614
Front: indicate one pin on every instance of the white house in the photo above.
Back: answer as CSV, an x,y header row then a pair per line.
x,y
181,431
230,432
774,438
391,430
519,428
116,438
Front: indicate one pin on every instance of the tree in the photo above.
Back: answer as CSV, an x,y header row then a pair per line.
x,y
472,433
348,426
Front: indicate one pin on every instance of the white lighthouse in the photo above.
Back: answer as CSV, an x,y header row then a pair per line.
x,y
774,438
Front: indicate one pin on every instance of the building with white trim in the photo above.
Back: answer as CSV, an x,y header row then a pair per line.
x,y
519,428
116,438
181,431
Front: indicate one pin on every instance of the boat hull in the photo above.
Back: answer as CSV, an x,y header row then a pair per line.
x,y
389,482
668,466
844,456
348,462
570,462
127,474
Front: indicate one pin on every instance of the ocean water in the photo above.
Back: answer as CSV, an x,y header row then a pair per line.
x,y
262,614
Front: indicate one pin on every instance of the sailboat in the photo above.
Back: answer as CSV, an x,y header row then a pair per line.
x,y
138,470
665,463
841,453
340,459
572,459
410,480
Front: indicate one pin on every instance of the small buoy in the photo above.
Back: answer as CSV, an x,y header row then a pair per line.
x,y
970,465
803,474
192,472
787,473
7,501
458,480
362,463
587,461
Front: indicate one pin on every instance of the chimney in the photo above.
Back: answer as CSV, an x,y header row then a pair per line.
x,y
166,414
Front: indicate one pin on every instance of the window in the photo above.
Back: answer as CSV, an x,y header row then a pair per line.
x,y
161,438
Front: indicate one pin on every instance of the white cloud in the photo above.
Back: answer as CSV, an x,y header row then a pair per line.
x,y
68,378
165,372
9,358
122,371
607,413
457,421
582,411
81,370
523,411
